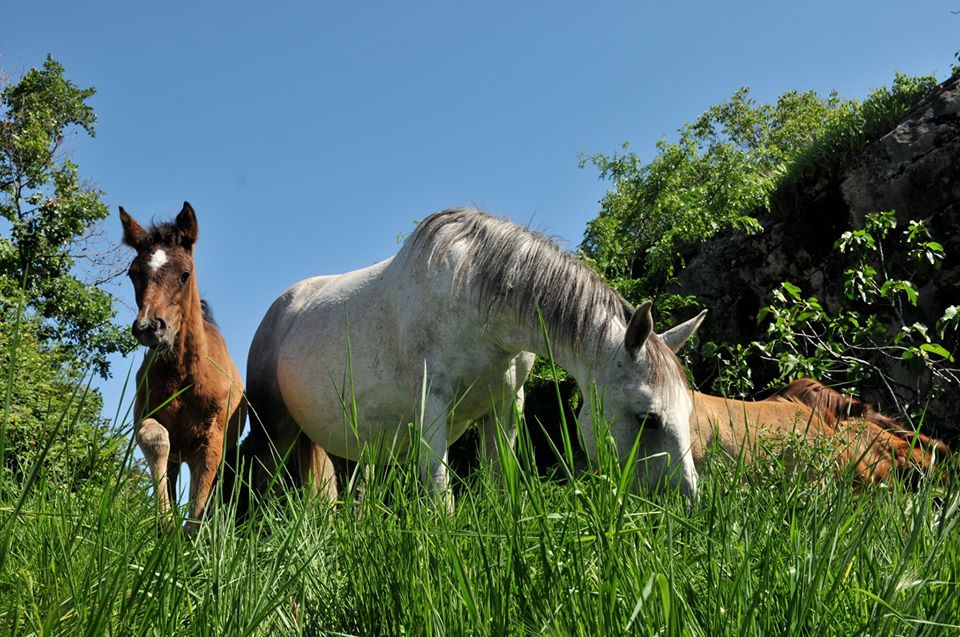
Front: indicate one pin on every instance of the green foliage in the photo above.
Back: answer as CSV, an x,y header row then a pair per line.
x,y
50,412
718,175
850,130
49,211
736,161
53,326
741,160
872,337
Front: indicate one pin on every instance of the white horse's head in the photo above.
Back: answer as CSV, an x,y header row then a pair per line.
x,y
644,392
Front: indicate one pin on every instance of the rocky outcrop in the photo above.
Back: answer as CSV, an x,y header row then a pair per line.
x,y
914,169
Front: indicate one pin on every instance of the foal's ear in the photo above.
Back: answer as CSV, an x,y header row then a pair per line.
x,y
132,232
187,225
677,336
640,327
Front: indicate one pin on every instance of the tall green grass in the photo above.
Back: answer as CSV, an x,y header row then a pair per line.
x,y
763,551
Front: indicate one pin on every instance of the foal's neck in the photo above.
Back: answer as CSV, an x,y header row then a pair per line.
x,y
190,349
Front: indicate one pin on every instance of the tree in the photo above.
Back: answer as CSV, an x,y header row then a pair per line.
x,y
54,326
719,174
51,418
50,212
737,161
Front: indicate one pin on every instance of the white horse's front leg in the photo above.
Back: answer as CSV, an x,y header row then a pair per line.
x,y
508,410
432,427
588,437
154,441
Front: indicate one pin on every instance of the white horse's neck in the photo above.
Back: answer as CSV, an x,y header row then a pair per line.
x,y
599,348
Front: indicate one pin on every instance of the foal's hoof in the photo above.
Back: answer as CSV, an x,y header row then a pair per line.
x,y
166,526
190,529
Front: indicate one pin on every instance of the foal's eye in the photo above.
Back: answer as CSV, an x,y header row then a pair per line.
x,y
184,276
649,421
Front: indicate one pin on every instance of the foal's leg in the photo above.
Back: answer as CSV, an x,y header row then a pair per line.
x,y
154,441
173,474
203,469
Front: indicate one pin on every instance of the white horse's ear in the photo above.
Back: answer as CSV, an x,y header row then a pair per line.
x,y
677,336
639,329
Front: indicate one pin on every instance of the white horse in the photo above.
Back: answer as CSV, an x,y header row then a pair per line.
x,y
441,335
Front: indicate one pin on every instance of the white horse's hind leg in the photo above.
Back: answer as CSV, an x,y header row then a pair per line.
x,y
316,470
154,441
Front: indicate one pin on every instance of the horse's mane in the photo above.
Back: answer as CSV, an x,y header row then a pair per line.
x,y
830,403
836,407
207,312
509,264
516,266
166,234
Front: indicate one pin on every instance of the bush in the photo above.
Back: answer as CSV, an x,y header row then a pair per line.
x,y
848,133
876,336
51,415
718,175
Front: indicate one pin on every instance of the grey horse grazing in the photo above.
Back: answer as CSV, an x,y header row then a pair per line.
x,y
441,335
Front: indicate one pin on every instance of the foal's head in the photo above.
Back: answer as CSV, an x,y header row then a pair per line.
x,y
162,276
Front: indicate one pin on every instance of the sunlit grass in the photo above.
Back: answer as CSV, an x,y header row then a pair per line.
x,y
763,551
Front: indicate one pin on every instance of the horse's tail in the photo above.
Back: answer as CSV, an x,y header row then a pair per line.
x,y
236,477
892,447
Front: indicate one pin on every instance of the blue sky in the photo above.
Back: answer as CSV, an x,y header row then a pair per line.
x,y
308,136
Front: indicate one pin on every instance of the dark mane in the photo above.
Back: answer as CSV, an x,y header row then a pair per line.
x,y
837,407
207,312
518,267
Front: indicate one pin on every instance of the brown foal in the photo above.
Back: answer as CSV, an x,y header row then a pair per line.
x,y
189,403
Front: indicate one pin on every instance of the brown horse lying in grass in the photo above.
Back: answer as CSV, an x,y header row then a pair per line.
x,y
188,405
874,444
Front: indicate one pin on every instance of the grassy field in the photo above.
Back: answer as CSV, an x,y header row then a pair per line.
x,y
762,552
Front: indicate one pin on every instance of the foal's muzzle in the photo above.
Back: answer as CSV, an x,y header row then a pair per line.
x,y
149,332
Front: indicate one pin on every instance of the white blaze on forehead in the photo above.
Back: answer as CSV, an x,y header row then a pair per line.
x,y
157,259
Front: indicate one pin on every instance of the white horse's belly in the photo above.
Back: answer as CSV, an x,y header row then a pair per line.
x,y
377,407
377,416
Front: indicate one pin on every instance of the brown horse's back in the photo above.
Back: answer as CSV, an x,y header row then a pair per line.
x,y
881,443
739,427
875,444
